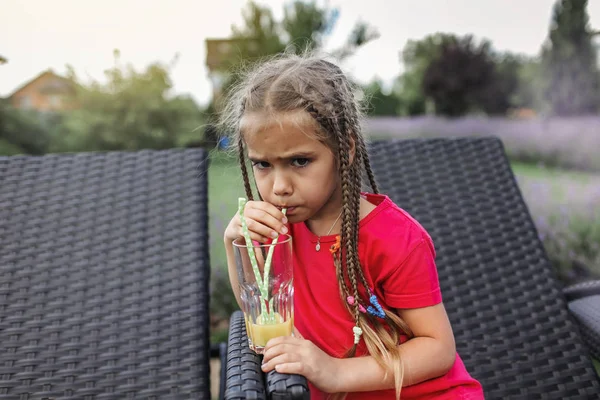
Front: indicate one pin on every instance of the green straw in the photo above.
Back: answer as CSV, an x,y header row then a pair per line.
x,y
249,246
263,283
267,271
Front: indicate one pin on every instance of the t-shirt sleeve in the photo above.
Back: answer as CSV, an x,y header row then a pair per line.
x,y
414,283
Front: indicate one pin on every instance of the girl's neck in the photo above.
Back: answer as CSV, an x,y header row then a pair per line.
x,y
322,224
330,225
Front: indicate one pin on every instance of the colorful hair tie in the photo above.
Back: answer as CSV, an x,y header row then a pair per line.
x,y
375,308
357,333
336,246
350,300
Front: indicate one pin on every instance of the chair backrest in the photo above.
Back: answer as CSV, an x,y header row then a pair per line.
x,y
104,275
510,320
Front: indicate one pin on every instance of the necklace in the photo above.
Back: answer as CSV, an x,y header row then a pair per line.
x,y
318,246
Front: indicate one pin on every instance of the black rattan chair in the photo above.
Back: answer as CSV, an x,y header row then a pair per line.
x,y
104,276
510,318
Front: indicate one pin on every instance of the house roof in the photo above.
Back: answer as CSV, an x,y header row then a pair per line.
x,y
64,84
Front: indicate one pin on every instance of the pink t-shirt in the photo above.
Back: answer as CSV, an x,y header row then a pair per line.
x,y
397,256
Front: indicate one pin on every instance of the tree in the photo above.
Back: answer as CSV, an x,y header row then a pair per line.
x,y
461,77
3,60
416,57
305,26
132,110
488,81
381,103
23,131
529,93
259,35
498,94
569,60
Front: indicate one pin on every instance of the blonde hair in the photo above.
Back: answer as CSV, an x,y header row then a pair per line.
x,y
288,83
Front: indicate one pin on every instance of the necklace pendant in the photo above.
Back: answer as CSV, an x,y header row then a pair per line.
x,y
318,246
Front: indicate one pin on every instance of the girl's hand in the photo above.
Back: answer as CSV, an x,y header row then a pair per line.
x,y
264,221
292,355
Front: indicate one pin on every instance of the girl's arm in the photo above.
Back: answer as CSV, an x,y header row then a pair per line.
x,y
429,354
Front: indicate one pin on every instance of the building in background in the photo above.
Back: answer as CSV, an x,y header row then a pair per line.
x,y
46,92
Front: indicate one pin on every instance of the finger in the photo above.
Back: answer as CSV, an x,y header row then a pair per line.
x,y
269,208
280,359
280,340
296,368
268,215
255,237
260,228
272,351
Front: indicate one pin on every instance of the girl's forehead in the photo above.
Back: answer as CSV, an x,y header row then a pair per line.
x,y
286,125
281,138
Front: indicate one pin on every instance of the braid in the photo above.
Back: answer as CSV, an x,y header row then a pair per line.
x,y
362,149
349,232
240,145
244,170
349,125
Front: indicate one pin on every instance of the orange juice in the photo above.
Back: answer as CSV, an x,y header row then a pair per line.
x,y
260,334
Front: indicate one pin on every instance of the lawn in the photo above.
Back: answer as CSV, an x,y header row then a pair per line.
x,y
224,188
536,171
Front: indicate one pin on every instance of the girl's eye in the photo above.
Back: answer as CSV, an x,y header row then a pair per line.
x,y
260,164
300,162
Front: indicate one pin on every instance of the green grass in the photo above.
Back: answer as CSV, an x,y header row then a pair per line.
x,y
9,149
224,188
540,172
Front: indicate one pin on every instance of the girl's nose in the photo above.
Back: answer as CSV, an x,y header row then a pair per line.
x,y
282,185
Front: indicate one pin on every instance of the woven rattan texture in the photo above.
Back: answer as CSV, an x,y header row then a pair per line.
x,y
587,311
511,324
245,379
104,276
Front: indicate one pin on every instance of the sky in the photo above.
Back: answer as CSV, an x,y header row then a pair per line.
x,y
41,34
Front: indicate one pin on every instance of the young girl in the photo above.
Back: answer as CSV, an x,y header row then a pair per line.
x,y
368,312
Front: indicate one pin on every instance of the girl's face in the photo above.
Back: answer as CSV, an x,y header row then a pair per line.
x,y
292,168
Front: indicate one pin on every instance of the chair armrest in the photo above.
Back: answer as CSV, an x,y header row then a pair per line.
x,y
283,386
586,311
583,289
245,379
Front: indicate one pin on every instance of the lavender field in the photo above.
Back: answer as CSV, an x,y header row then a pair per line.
x,y
572,143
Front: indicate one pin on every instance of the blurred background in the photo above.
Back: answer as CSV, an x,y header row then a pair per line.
x,y
97,76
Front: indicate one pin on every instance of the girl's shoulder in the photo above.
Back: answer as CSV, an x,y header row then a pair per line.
x,y
390,231
389,220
